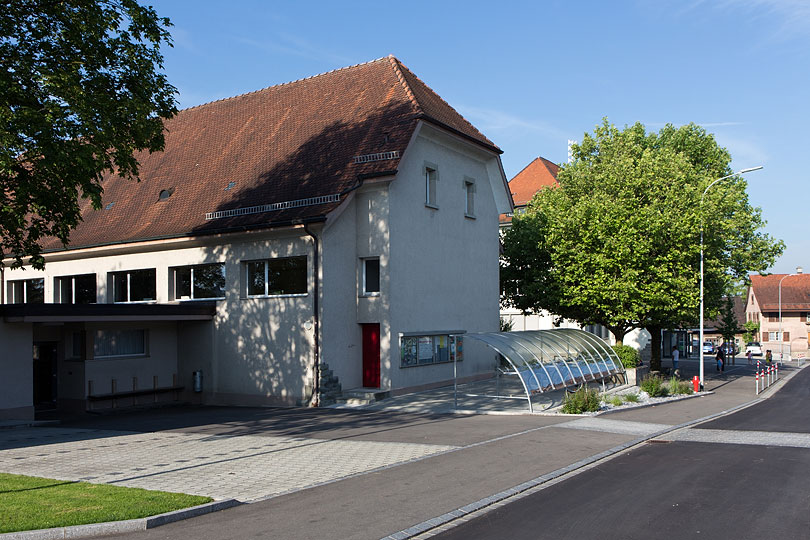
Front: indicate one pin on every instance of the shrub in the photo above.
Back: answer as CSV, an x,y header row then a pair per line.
x,y
631,398
628,355
654,386
616,400
677,386
583,400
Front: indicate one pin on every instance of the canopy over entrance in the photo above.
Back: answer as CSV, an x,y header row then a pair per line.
x,y
547,360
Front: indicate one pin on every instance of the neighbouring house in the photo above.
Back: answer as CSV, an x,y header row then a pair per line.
x,y
539,174
335,232
788,335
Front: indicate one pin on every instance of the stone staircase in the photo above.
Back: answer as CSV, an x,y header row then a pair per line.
x,y
330,386
362,396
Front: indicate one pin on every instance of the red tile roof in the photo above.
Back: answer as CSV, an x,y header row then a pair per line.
x,y
536,175
290,142
795,292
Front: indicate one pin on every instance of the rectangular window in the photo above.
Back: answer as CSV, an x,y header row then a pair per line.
x,y
431,182
199,281
773,336
469,203
77,346
430,349
134,286
371,277
76,289
277,277
110,343
27,291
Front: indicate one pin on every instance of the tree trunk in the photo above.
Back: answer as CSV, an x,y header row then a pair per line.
x,y
655,345
618,334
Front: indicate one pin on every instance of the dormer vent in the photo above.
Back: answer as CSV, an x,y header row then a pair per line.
x,y
165,194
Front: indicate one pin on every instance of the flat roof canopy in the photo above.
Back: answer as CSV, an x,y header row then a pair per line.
x,y
186,311
547,360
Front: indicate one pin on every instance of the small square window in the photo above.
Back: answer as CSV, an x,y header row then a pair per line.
x,y
371,277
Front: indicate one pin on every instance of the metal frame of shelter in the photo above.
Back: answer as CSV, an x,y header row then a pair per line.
x,y
547,360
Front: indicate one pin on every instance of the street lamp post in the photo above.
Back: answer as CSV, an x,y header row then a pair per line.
x,y
700,344
781,339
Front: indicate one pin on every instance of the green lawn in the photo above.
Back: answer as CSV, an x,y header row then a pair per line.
x,y
28,503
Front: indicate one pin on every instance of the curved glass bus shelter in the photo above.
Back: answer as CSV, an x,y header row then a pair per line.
x,y
547,360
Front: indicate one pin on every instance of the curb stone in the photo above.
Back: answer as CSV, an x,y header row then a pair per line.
x,y
116,527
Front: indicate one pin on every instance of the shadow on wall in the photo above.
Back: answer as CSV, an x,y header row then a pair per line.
x,y
266,344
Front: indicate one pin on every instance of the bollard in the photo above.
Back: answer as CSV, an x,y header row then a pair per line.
x,y
777,372
696,383
757,379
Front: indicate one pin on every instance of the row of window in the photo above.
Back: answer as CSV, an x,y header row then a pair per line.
x,y
431,173
269,277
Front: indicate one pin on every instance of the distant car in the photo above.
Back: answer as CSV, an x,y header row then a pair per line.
x,y
754,348
730,349
708,347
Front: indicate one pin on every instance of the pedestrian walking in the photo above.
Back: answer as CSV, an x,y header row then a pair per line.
x,y
675,356
750,356
768,356
720,359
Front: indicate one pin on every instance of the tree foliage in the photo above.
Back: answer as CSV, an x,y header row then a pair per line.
x,y
618,242
80,93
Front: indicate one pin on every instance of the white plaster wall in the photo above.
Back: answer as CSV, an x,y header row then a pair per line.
x,y
262,347
160,360
16,366
443,266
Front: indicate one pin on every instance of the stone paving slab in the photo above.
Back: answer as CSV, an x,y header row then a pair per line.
x,y
760,438
615,426
244,467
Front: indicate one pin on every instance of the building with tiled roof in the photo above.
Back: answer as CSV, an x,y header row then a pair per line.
x,y
538,174
767,299
322,222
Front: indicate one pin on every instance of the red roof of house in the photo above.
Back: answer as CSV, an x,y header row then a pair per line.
x,y
286,145
536,175
795,292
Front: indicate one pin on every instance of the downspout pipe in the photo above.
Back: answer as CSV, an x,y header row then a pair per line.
x,y
316,389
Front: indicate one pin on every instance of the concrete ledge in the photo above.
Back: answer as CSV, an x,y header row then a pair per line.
x,y
636,375
117,527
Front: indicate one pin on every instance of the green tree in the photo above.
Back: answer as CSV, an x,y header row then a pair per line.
x,y
751,331
80,93
728,325
617,243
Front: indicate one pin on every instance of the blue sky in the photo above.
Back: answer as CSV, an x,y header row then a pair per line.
x,y
532,75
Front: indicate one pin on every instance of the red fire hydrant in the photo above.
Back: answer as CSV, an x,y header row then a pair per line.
x,y
696,383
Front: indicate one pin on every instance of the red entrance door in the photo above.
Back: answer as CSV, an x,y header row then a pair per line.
x,y
371,355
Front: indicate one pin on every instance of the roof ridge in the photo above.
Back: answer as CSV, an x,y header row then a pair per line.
x,y
395,63
525,167
288,83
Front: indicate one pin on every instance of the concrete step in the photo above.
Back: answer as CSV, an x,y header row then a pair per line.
x,y
362,396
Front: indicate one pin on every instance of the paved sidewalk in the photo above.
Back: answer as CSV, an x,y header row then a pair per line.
x,y
359,464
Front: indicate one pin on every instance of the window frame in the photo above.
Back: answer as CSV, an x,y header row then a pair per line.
x,y
23,285
191,297
145,344
430,172
128,274
70,280
246,276
365,292
469,197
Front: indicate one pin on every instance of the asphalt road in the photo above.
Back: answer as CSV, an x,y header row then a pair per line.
x,y
678,489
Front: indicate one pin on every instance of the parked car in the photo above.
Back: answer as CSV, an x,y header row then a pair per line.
x,y
708,347
754,347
